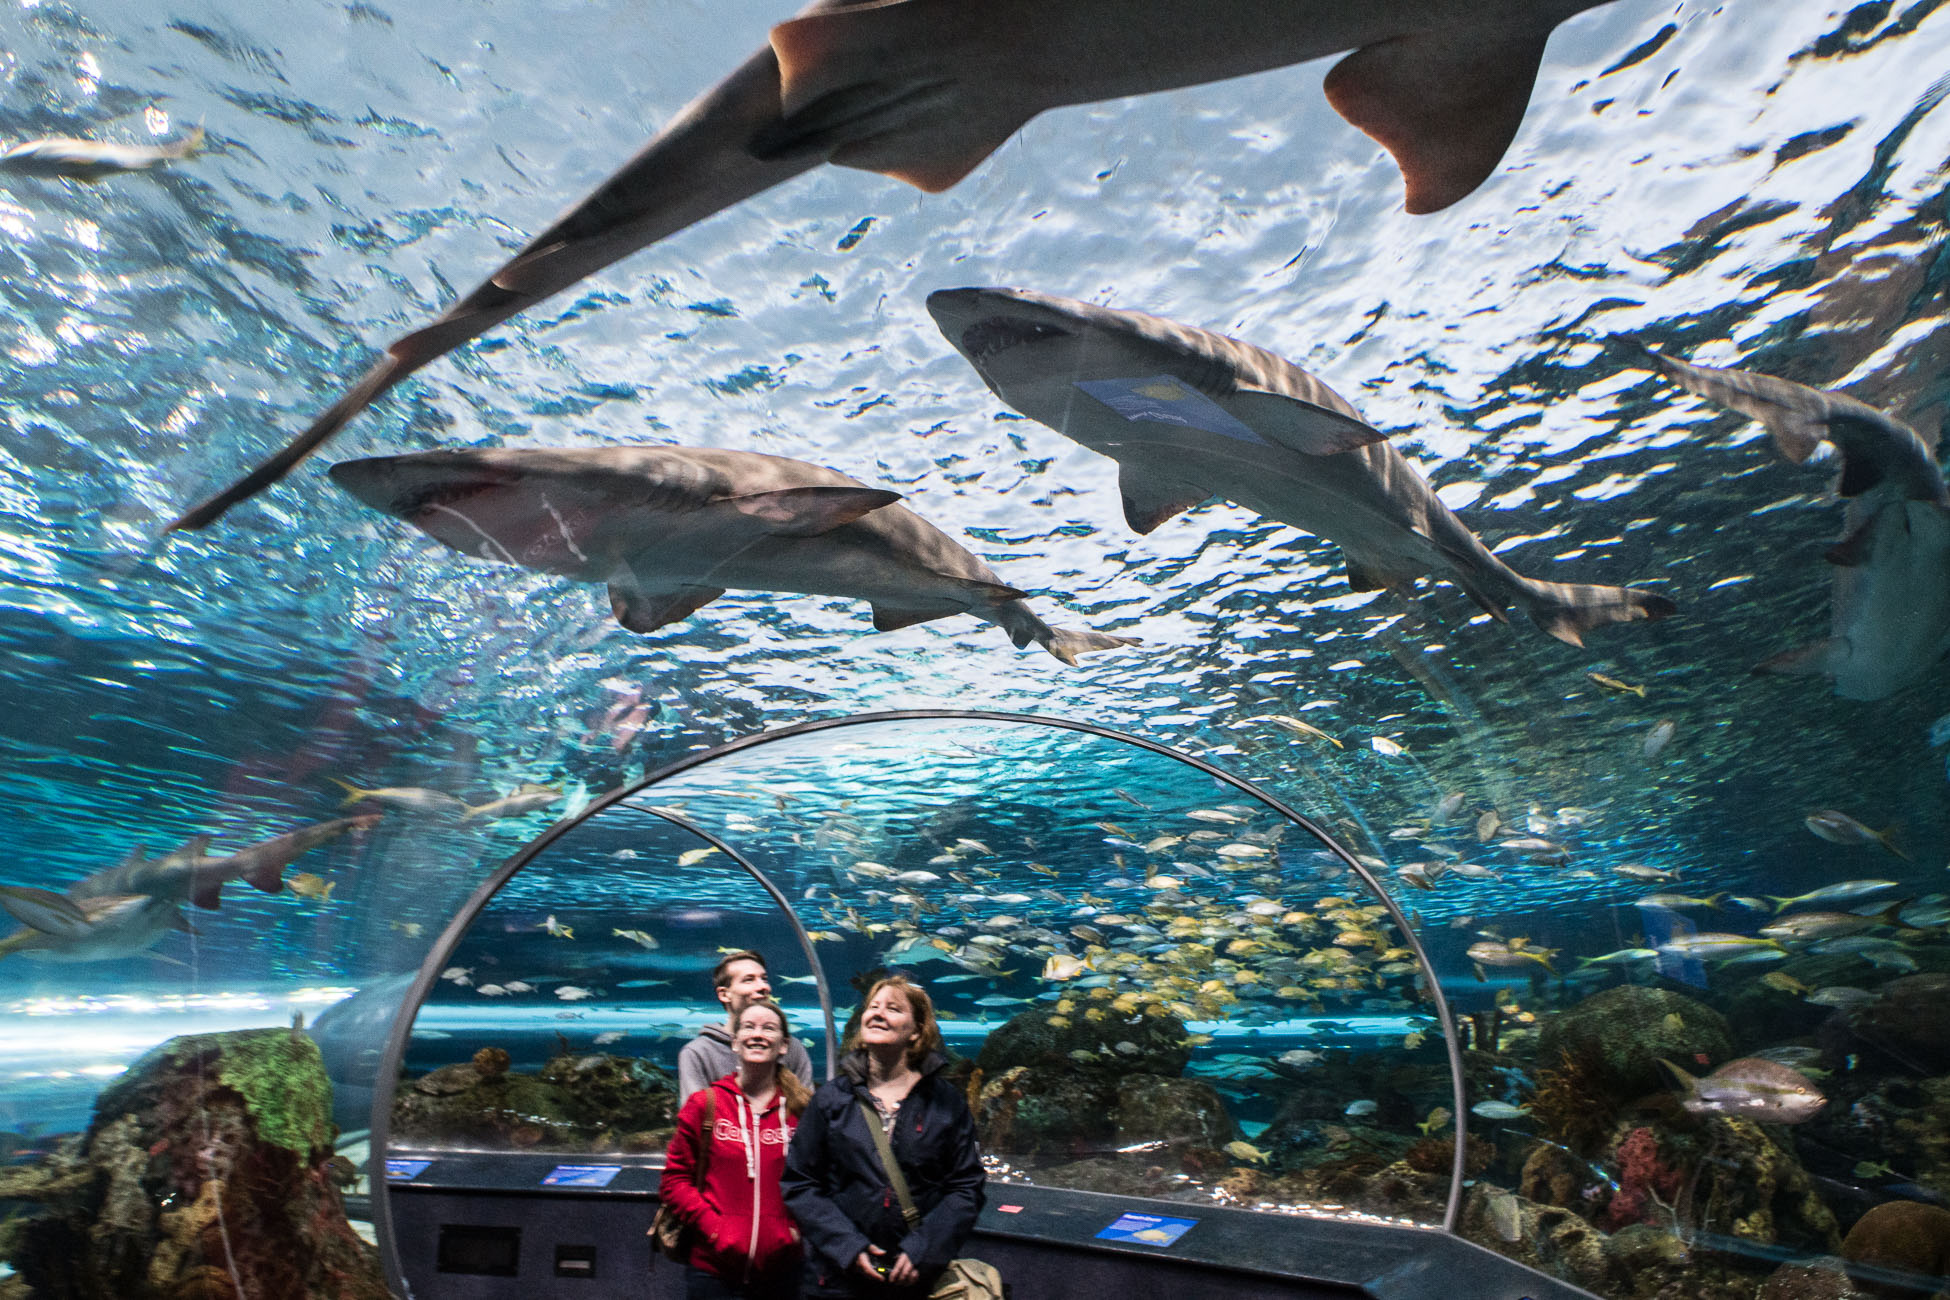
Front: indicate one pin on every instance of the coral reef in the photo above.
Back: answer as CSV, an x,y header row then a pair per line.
x,y
575,1103
1900,1238
207,1171
1645,1181
1617,1037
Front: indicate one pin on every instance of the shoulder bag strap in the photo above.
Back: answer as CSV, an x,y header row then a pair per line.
x,y
707,1138
895,1178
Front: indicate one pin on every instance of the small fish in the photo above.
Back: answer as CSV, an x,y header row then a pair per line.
x,y
1299,1058
1385,747
411,929
611,1036
492,991
307,885
1491,952
1215,815
1356,1109
1639,871
637,937
1500,1111
1307,729
691,857
1437,1120
1245,1151
1842,997
1750,1088
522,986
1083,1056
408,798
458,975
555,928
1783,982
90,160
1001,1000
527,799
1062,966
1679,902
1487,826
1847,891
1613,684
573,993
1447,807
1873,1169
1710,946
1840,828
1658,738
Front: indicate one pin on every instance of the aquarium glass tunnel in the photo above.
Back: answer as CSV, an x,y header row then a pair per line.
x,y
1358,589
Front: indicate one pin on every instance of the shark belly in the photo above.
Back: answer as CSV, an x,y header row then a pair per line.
x,y
1891,616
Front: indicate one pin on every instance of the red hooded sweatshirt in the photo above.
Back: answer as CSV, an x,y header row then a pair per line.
x,y
743,1231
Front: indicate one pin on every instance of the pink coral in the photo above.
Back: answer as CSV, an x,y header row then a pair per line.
x,y
1641,1177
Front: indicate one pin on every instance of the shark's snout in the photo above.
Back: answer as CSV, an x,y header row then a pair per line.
x,y
995,334
984,322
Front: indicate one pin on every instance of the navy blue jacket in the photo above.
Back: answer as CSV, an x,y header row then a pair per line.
x,y
836,1192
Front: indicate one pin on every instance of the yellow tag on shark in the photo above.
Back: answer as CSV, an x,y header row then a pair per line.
x,y
1163,399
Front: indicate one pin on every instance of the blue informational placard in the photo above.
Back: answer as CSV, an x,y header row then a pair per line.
x,y
1147,1229
1165,400
400,1170
581,1175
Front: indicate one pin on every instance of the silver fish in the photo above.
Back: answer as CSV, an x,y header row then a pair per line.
x,y
924,90
1189,415
90,160
1890,616
671,528
1751,1088
527,799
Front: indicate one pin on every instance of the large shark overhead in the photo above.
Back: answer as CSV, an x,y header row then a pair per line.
x,y
924,90
671,529
1189,415
1890,618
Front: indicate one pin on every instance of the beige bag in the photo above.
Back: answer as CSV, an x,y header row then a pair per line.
x,y
670,1235
963,1279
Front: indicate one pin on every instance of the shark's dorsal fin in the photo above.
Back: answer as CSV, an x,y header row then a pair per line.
x,y
196,847
1445,110
810,511
1300,425
1149,501
852,90
646,611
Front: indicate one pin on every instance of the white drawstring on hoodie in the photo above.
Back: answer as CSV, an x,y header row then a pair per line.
x,y
753,1141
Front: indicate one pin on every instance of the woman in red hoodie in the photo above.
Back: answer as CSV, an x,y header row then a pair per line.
x,y
721,1174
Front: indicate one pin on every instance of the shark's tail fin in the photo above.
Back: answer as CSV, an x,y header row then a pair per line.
x,y
1066,643
1567,610
188,145
389,371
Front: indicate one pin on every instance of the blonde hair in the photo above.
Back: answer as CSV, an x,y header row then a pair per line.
x,y
927,1033
791,1087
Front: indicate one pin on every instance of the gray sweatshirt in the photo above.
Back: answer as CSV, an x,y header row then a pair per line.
x,y
710,1057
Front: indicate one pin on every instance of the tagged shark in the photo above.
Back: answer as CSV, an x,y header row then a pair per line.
x,y
670,529
127,908
1890,617
924,90
1190,415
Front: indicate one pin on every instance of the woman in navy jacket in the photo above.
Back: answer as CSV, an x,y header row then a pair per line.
x,y
857,1242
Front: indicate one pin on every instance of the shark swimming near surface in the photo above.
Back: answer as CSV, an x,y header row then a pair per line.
x,y
1889,620
924,90
670,529
1189,415
125,909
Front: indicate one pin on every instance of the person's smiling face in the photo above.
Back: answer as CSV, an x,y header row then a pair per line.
x,y
760,1036
888,1021
746,983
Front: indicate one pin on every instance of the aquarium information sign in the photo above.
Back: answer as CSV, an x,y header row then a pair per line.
x,y
1147,1229
581,1175
398,1171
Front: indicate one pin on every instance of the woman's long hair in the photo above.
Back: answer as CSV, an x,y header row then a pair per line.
x,y
927,1033
791,1087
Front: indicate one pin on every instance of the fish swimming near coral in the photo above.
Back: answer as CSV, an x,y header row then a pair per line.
x,y
1889,618
1189,415
91,160
670,529
924,90
1751,1088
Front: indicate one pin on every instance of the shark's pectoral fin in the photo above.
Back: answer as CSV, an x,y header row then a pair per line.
x,y
1300,425
892,618
44,910
1445,110
181,922
810,511
646,611
1813,660
852,91
1150,500
269,878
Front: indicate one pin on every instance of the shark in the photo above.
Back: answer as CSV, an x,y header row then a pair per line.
x,y
125,909
1889,616
90,160
924,90
1189,415
670,529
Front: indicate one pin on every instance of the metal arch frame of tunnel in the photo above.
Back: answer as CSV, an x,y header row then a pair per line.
x,y
394,1055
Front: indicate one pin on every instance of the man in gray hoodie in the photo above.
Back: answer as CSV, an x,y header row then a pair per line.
x,y
740,979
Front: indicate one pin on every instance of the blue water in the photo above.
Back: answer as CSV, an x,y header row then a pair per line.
x,y
1765,188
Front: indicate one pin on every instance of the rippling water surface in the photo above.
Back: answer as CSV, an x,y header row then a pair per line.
x,y
1746,183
